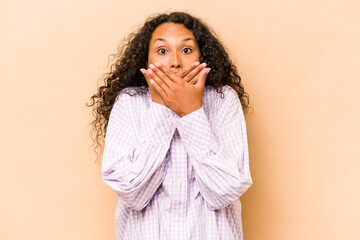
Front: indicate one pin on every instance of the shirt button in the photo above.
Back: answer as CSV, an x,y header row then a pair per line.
x,y
180,178
168,135
179,141
187,144
179,214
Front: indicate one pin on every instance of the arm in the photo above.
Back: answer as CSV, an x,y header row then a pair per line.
x,y
133,168
221,163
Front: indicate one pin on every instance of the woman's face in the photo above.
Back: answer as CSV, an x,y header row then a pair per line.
x,y
174,46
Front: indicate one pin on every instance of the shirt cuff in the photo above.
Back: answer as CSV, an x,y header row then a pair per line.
x,y
157,126
196,132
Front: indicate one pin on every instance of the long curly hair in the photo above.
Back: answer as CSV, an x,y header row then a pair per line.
x,y
131,56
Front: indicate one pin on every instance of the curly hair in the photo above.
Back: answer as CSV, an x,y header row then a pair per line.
x,y
124,71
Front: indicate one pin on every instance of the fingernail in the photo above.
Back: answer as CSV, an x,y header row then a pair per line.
x,y
150,71
151,66
157,64
197,63
203,64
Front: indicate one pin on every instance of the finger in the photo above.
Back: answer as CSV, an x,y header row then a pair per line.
x,y
195,79
202,77
169,76
188,69
159,81
143,71
194,72
158,89
159,74
146,75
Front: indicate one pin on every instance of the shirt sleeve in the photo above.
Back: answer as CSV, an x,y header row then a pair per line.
x,y
221,163
133,168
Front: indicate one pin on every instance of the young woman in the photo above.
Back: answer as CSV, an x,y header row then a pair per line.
x,y
176,150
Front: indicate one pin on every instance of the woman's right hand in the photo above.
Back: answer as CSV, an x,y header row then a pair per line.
x,y
155,97
189,74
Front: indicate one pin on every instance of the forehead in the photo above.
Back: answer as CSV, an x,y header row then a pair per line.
x,y
171,30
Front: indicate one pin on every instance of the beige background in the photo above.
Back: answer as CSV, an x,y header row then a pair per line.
x,y
299,61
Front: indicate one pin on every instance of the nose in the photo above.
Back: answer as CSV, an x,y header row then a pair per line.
x,y
175,61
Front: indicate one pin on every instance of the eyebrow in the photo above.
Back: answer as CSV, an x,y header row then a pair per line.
x,y
184,40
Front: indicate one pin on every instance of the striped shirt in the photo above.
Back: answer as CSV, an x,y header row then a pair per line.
x,y
177,177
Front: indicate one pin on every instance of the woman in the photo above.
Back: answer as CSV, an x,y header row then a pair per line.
x,y
176,148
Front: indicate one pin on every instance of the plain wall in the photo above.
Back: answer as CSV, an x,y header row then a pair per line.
x,y
299,61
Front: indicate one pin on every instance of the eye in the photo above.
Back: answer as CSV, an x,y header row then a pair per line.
x,y
162,51
187,50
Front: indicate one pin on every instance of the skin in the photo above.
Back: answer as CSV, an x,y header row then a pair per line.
x,y
175,77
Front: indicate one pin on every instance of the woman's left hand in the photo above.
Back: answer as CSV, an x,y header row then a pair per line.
x,y
178,95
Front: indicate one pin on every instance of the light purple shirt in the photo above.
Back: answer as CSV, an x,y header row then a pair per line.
x,y
177,177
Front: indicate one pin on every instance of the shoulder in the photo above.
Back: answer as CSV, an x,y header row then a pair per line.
x,y
220,105
213,99
131,96
129,105
131,100
225,92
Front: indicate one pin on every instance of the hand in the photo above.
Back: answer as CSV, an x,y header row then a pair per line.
x,y
189,74
180,96
155,97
